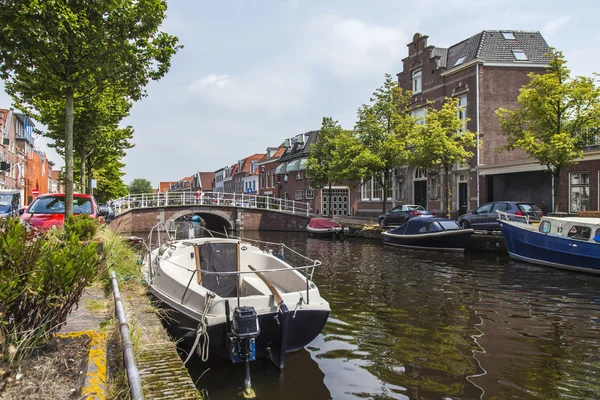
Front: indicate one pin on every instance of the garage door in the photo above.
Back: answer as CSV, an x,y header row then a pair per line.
x,y
531,187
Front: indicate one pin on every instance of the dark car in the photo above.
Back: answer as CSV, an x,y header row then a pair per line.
x,y
486,216
48,210
400,214
107,212
9,203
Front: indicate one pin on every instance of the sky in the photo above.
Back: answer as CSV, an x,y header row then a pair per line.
x,y
254,72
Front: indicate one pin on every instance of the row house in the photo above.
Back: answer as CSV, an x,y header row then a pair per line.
x,y
484,72
182,185
203,181
228,182
22,167
268,180
219,180
245,177
296,186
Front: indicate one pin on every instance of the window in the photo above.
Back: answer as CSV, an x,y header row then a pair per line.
x,y
461,113
509,36
299,175
376,190
418,115
460,60
365,190
298,194
417,81
580,232
420,174
484,208
433,193
520,55
579,191
310,194
545,226
272,178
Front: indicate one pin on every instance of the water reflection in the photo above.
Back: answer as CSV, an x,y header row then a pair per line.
x,y
419,325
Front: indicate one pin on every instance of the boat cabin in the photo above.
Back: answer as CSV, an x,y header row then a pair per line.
x,y
422,225
585,229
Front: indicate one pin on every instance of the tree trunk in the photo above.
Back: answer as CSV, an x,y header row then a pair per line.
x,y
556,177
82,170
329,202
447,191
89,176
69,118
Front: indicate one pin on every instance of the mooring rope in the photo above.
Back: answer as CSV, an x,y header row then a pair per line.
x,y
202,333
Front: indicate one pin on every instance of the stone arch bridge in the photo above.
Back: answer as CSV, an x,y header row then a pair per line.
x,y
215,216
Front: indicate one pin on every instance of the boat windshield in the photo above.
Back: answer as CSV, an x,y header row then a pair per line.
x,y
449,225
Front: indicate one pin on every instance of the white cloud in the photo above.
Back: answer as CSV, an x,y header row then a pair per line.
x,y
219,81
553,26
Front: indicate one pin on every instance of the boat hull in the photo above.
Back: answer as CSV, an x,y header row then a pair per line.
x,y
304,326
550,250
444,241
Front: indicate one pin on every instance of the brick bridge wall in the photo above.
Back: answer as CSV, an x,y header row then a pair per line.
x,y
251,219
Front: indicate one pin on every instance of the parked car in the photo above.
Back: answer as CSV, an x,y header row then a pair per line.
x,y
486,216
400,214
9,203
107,212
48,210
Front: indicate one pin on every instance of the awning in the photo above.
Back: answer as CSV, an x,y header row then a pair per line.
x,y
297,165
281,169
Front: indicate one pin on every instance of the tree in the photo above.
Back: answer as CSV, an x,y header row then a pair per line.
x,y
69,50
331,157
139,186
556,118
110,183
383,128
96,135
441,142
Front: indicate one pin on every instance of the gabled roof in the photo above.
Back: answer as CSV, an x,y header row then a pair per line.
x,y
205,179
246,163
491,46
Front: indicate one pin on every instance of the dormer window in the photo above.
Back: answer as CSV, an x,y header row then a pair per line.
x,y
417,81
509,36
520,55
460,60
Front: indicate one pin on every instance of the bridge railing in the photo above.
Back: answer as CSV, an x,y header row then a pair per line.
x,y
209,199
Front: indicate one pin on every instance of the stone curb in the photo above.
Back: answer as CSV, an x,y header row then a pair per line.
x,y
95,378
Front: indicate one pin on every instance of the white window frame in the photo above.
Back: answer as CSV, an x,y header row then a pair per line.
x,y
433,191
509,36
298,194
461,113
272,178
418,114
310,194
580,185
417,81
460,60
520,55
299,175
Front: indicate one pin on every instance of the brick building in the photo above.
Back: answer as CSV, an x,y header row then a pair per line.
x,y
268,180
295,186
485,72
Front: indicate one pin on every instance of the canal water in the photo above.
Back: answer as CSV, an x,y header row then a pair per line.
x,y
423,325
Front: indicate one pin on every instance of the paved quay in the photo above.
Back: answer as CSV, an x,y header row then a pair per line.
x,y
162,372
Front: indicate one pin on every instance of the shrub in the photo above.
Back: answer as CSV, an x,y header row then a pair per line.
x,y
42,276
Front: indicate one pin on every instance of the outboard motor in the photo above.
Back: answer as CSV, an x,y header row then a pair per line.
x,y
242,336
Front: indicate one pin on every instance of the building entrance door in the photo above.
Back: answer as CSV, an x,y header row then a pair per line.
x,y
340,202
462,198
421,193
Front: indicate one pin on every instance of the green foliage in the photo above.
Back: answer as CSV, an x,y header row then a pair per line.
x,y
331,157
441,142
139,186
82,226
42,276
557,117
383,128
67,51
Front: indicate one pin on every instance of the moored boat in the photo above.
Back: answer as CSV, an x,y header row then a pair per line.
x,y
430,233
324,226
568,243
238,301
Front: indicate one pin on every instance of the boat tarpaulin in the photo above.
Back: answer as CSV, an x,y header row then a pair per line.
x,y
323,223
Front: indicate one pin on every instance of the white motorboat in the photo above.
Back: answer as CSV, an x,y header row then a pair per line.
x,y
239,301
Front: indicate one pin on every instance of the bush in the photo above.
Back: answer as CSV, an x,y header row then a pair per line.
x,y
42,276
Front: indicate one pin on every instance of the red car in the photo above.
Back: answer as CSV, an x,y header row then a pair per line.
x,y
48,210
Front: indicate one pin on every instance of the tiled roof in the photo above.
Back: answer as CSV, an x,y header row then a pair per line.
x,y
491,46
300,149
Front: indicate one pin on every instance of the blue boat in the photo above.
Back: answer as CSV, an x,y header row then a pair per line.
x,y
569,243
428,233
